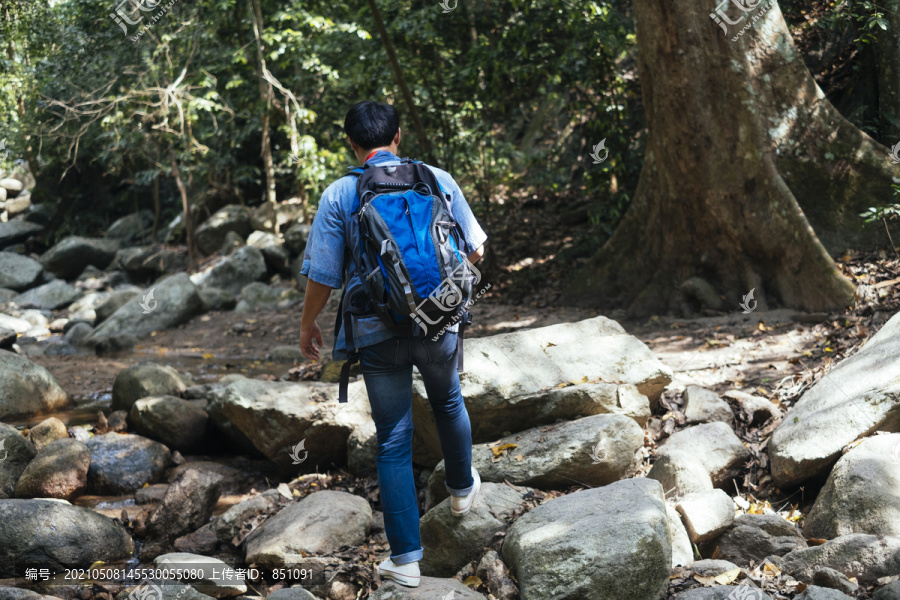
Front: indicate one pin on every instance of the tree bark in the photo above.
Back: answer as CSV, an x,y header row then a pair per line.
x,y
265,92
188,226
889,70
401,80
740,139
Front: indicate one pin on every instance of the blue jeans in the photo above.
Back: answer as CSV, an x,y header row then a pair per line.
x,y
387,372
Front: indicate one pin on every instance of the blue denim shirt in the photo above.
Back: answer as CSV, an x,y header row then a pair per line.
x,y
333,229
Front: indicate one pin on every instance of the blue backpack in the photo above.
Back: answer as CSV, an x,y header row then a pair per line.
x,y
415,275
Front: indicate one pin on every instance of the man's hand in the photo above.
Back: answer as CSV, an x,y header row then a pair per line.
x,y
308,337
313,302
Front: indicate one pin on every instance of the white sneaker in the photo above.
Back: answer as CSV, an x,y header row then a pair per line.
x,y
460,505
406,574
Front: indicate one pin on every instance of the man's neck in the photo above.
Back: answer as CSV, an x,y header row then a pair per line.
x,y
372,153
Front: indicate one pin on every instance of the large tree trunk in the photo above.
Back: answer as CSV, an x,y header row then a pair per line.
x,y
740,138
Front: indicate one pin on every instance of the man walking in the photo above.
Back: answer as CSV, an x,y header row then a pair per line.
x,y
386,358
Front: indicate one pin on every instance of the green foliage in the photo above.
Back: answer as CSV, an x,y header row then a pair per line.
x,y
512,96
890,211
864,15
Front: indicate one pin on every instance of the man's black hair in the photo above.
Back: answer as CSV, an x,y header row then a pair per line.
x,y
372,124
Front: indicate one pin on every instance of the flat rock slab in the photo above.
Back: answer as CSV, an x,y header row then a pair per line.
x,y
319,524
595,450
752,538
607,543
857,397
277,416
514,381
866,557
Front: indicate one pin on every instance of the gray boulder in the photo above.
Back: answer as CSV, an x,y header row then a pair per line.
x,y
276,255
754,409
229,523
866,557
711,568
69,257
430,588
595,450
295,592
319,524
175,301
752,538
187,505
890,591
58,471
56,535
142,380
115,300
706,515
132,228
17,230
19,272
703,405
604,543
214,298
713,448
18,451
233,272
725,592
48,430
210,235
209,575
85,308
259,296
451,542
49,296
277,416
122,463
362,446
858,396
815,592
682,549
151,261
859,496
514,381
175,422
78,333
27,389
295,237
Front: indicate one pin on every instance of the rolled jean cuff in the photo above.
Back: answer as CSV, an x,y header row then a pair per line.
x,y
414,556
459,493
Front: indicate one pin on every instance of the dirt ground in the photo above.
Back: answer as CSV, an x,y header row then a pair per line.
x,y
751,352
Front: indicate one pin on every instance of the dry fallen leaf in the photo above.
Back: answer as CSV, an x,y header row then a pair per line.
x,y
815,541
472,581
727,577
519,457
498,450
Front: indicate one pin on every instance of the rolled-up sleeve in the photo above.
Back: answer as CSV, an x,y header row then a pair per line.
x,y
323,261
474,235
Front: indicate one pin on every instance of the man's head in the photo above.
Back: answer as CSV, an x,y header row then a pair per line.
x,y
371,125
